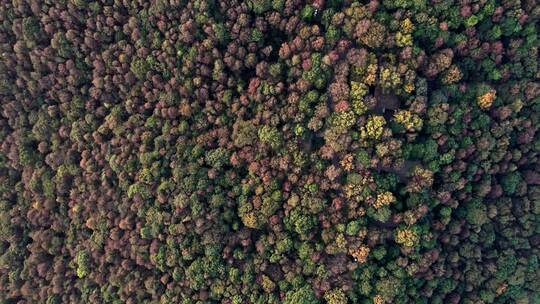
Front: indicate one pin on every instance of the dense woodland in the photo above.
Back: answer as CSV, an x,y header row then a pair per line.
x,y
269,151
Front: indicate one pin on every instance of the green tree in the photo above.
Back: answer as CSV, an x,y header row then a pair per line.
x,y
510,182
270,135
82,259
303,295
217,158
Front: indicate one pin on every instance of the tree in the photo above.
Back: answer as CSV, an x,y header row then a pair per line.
x,y
244,133
82,261
335,296
270,135
510,182
302,295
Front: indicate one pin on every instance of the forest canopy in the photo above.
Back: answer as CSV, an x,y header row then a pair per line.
x,y
269,151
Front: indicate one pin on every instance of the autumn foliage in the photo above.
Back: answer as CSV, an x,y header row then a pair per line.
x,y
269,151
